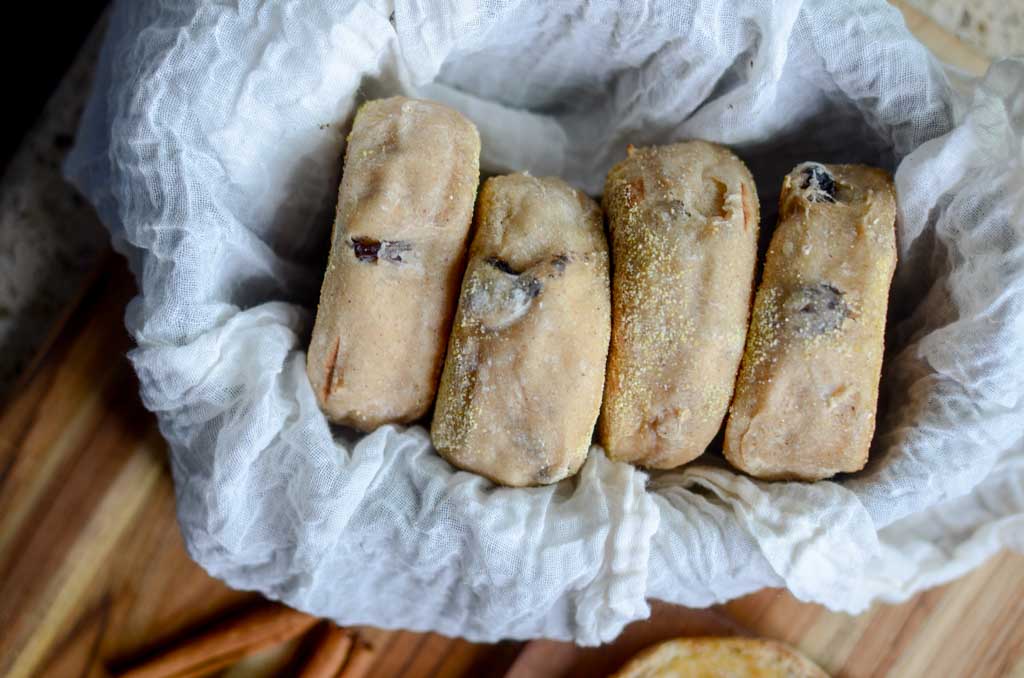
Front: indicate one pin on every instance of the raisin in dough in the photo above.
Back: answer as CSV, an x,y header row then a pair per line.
x,y
807,392
683,221
522,382
404,209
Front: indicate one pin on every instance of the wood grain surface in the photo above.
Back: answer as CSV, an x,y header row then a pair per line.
x,y
93,569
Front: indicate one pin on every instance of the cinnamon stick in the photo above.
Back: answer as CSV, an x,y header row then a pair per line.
x,y
360,660
329,655
225,644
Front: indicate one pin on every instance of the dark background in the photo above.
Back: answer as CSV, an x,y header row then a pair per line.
x,y
40,43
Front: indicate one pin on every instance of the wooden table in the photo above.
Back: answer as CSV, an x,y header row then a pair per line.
x,y
93,566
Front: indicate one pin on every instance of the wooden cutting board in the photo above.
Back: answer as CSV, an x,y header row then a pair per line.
x,y
93,566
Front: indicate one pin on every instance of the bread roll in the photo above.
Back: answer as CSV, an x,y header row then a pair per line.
x,y
404,210
521,387
683,221
704,657
807,392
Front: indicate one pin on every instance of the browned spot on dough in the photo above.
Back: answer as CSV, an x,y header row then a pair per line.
x,y
721,191
634,192
332,365
747,217
584,200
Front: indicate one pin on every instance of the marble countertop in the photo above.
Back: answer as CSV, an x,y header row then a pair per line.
x,y
50,239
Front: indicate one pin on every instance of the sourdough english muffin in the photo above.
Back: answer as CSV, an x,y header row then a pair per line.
x,y
719,657
404,209
808,388
683,221
522,381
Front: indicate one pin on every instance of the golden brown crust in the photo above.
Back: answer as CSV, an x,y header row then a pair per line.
x,y
808,388
522,381
713,657
404,209
684,222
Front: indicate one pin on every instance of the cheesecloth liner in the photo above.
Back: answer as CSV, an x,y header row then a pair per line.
x,y
212,148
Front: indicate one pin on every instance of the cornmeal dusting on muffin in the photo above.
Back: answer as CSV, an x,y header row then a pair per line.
x,y
521,388
683,227
808,387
